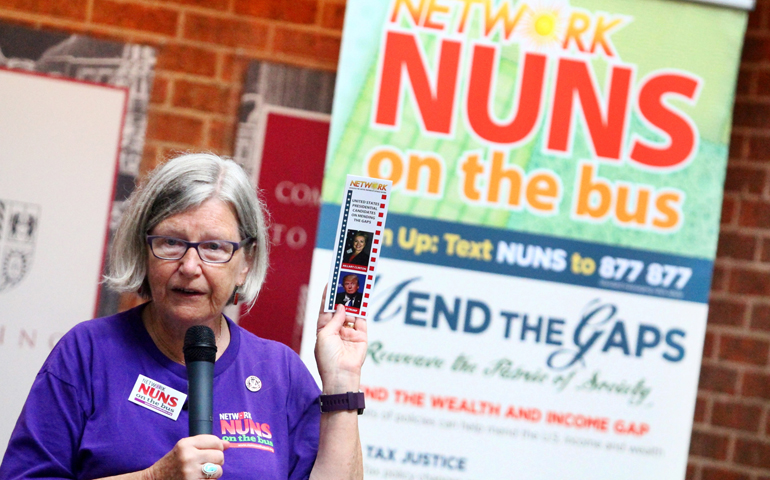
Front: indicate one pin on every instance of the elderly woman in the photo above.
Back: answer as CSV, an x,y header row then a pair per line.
x,y
191,241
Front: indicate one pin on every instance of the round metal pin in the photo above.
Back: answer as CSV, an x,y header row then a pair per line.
x,y
253,383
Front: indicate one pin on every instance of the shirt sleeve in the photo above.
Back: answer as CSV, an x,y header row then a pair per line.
x,y
304,415
46,438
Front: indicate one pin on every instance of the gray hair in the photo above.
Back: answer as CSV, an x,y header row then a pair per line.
x,y
178,185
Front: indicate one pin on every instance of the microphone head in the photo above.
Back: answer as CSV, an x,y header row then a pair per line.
x,y
200,345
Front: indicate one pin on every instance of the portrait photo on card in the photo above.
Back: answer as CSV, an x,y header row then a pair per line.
x,y
358,248
350,291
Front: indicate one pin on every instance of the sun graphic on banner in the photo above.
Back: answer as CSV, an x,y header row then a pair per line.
x,y
542,27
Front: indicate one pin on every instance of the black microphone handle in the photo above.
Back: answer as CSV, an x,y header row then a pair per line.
x,y
200,400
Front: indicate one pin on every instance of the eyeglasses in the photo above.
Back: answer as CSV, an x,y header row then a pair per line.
x,y
210,251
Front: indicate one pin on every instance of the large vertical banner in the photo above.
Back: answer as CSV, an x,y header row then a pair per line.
x,y
72,121
282,136
557,173
57,175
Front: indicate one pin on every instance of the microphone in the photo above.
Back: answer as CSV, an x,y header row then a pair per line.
x,y
200,353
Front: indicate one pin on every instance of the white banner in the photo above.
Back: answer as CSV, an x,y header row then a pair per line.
x,y
601,384
60,144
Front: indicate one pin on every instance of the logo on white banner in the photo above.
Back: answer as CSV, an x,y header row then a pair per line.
x,y
19,223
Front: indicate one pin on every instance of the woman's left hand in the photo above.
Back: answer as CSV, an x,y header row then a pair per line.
x,y
340,350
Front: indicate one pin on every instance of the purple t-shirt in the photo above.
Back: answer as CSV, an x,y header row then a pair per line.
x,y
78,421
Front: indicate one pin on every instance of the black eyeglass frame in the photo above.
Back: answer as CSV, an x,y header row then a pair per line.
x,y
195,245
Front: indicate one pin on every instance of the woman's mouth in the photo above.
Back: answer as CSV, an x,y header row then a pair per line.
x,y
186,291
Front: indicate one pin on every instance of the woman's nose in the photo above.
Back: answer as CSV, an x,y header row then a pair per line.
x,y
190,261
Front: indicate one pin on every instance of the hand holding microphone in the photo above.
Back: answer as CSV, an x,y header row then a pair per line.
x,y
200,455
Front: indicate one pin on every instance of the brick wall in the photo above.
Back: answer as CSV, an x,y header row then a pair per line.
x,y
204,46
203,49
731,436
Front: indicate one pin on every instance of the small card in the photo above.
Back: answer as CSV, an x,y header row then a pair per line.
x,y
157,397
358,244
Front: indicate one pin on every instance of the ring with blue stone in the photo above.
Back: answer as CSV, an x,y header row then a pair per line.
x,y
209,470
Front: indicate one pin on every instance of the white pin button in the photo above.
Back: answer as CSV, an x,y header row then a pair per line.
x,y
253,383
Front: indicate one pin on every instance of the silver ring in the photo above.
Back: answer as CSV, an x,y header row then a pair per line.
x,y
209,470
351,325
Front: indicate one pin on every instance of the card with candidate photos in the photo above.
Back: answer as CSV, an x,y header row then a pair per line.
x,y
358,244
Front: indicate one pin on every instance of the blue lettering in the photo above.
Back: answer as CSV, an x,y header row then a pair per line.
x,y
679,348
509,318
619,330
552,330
583,344
469,307
642,343
452,316
525,327
380,315
411,308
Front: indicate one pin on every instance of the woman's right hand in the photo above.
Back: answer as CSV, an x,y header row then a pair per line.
x,y
186,459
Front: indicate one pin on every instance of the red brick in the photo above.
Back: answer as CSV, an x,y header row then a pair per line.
x,y
759,148
150,159
296,11
333,15
752,282
71,9
708,445
192,60
736,415
149,155
745,81
736,146
752,453
691,472
159,90
174,128
200,96
756,17
221,137
750,114
717,379
711,473
220,5
743,349
700,410
726,312
728,210
755,214
755,48
166,153
708,345
226,31
760,317
762,79
136,17
744,180
234,68
307,44
756,385
719,279
735,245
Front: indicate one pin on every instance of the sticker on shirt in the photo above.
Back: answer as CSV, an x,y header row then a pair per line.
x,y
242,431
157,397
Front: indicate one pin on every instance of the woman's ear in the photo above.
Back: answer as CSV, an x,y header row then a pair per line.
x,y
248,259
